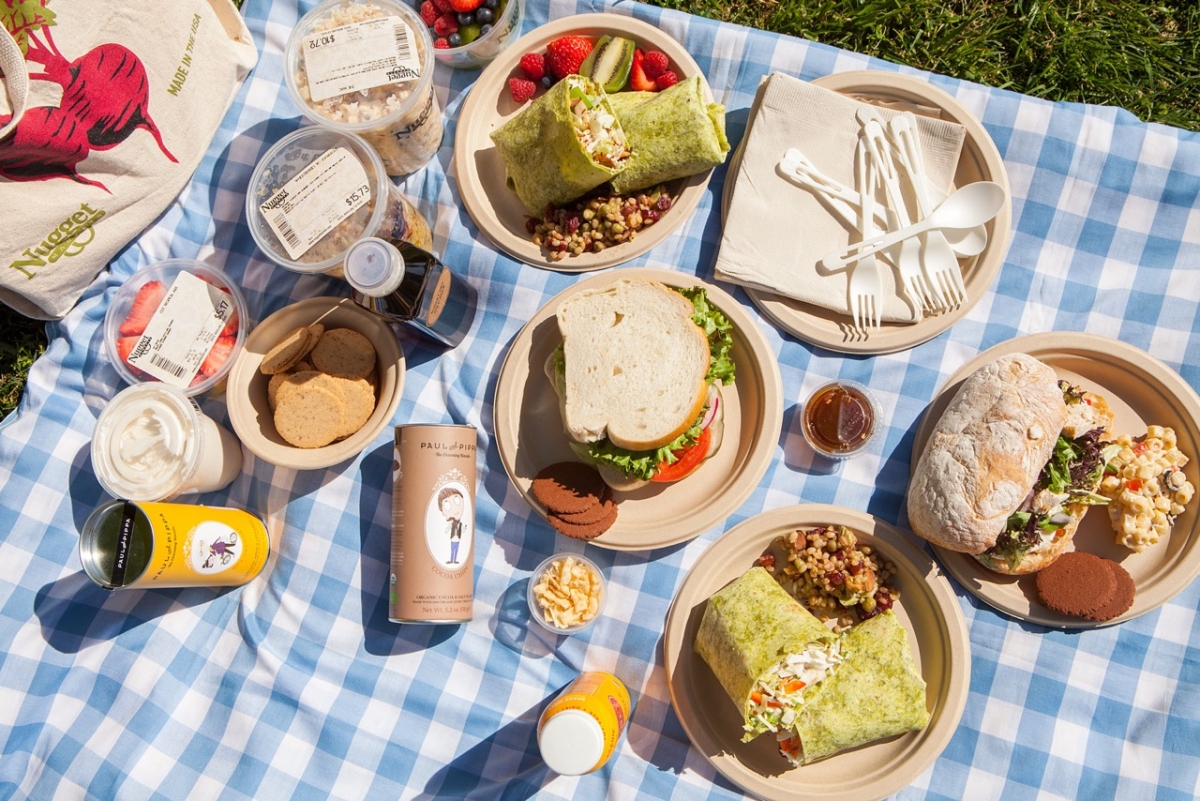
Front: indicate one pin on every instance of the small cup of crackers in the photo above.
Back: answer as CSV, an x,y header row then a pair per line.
x,y
315,384
566,593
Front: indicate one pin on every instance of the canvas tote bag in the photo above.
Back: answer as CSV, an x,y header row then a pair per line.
x,y
108,107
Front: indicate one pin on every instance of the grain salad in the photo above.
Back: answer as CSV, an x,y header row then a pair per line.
x,y
1146,487
593,224
392,106
839,580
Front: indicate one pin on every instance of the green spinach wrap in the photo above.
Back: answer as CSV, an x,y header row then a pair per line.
x,y
875,692
672,134
562,146
752,630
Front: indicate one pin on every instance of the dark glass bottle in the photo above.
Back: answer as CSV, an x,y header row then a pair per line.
x,y
403,283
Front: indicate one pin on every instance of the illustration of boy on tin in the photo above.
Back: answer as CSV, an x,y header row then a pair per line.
x,y
450,502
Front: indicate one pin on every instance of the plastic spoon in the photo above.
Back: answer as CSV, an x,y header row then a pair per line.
x,y
970,206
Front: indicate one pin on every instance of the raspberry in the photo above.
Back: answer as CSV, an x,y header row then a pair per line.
x,y
445,25
429,12
667,80
444,6
521,88
565,54
441,43
655,63
533,65
465,6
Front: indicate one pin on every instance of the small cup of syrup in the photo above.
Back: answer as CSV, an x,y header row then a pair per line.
x,y
839,419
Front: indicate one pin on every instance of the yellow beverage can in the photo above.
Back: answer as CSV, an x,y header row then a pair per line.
x,y
127,545
579,730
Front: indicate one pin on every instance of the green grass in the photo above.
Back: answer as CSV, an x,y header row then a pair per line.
x,y
1142,56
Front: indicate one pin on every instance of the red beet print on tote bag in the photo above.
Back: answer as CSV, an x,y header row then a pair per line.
x,y
106,97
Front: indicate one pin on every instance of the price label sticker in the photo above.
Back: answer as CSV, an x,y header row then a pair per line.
x,y
307,208
182,331
360,56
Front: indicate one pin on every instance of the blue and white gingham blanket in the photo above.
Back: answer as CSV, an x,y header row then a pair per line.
x,y
298,686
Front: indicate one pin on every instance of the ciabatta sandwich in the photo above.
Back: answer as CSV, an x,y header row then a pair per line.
x,y
1012,466
638,376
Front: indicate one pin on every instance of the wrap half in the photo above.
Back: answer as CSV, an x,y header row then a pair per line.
x,y
749,628
565,144
672,134
875,692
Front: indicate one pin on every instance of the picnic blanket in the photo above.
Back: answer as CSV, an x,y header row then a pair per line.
x,y
296,685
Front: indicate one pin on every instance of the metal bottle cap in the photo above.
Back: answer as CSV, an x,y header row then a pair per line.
x,y
374,267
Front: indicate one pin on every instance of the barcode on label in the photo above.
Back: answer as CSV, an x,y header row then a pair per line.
x,y
281,225
402,48
174,368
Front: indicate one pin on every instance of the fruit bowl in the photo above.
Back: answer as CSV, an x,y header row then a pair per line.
x,y
484,45
182,295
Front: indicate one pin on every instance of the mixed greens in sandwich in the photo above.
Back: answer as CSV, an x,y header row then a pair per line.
x,y
639,375
1064,489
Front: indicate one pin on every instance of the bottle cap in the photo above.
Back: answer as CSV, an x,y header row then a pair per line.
x,y
374,266
571,742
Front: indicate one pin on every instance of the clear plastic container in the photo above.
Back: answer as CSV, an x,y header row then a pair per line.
x,y
302,161
535,607
152,443
840,419
177,321
480,52
366,67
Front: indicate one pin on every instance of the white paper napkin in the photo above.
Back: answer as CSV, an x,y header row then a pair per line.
x,y
776,232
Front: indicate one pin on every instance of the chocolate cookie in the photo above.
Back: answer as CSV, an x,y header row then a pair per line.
x,y
568,487
592,514
588,531
1122,599
1076,584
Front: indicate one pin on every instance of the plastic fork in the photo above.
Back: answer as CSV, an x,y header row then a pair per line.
x,y
843,200
866,282
906,254
940,264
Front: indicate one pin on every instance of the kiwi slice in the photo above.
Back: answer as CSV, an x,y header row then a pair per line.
x,y
610,60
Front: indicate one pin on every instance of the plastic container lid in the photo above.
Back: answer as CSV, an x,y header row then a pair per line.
x,y
571,742
374,267
282,163
146,443
119,343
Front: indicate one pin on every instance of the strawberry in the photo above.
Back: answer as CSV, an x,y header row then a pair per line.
x,y
533,65
125,346
445,25
231,325
655,63
145,303
666,80
638,81
565,54
429,12
465,6
521,88
218,355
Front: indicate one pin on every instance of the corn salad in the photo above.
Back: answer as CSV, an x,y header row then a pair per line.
x,y
1146,487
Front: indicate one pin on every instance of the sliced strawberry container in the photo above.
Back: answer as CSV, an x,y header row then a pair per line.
x,y
468,34
178,321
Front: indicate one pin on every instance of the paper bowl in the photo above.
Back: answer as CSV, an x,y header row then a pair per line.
x,y
535,608
246,396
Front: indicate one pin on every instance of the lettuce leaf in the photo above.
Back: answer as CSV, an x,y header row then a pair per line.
x,y
719,331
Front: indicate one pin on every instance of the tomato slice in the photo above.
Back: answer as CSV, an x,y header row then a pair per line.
x,y
686,460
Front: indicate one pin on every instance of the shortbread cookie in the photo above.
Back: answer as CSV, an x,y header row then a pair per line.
x,y
345,353
289,350
307,414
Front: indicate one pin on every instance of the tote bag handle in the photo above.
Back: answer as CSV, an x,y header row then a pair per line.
x,y
16,78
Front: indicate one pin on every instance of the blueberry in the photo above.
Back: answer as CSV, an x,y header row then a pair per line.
x,y
547,81
466,17
492,4
484,29
454,39
485,15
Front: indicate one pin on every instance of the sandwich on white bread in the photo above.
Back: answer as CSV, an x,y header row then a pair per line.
x,y
637,379
1011,467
